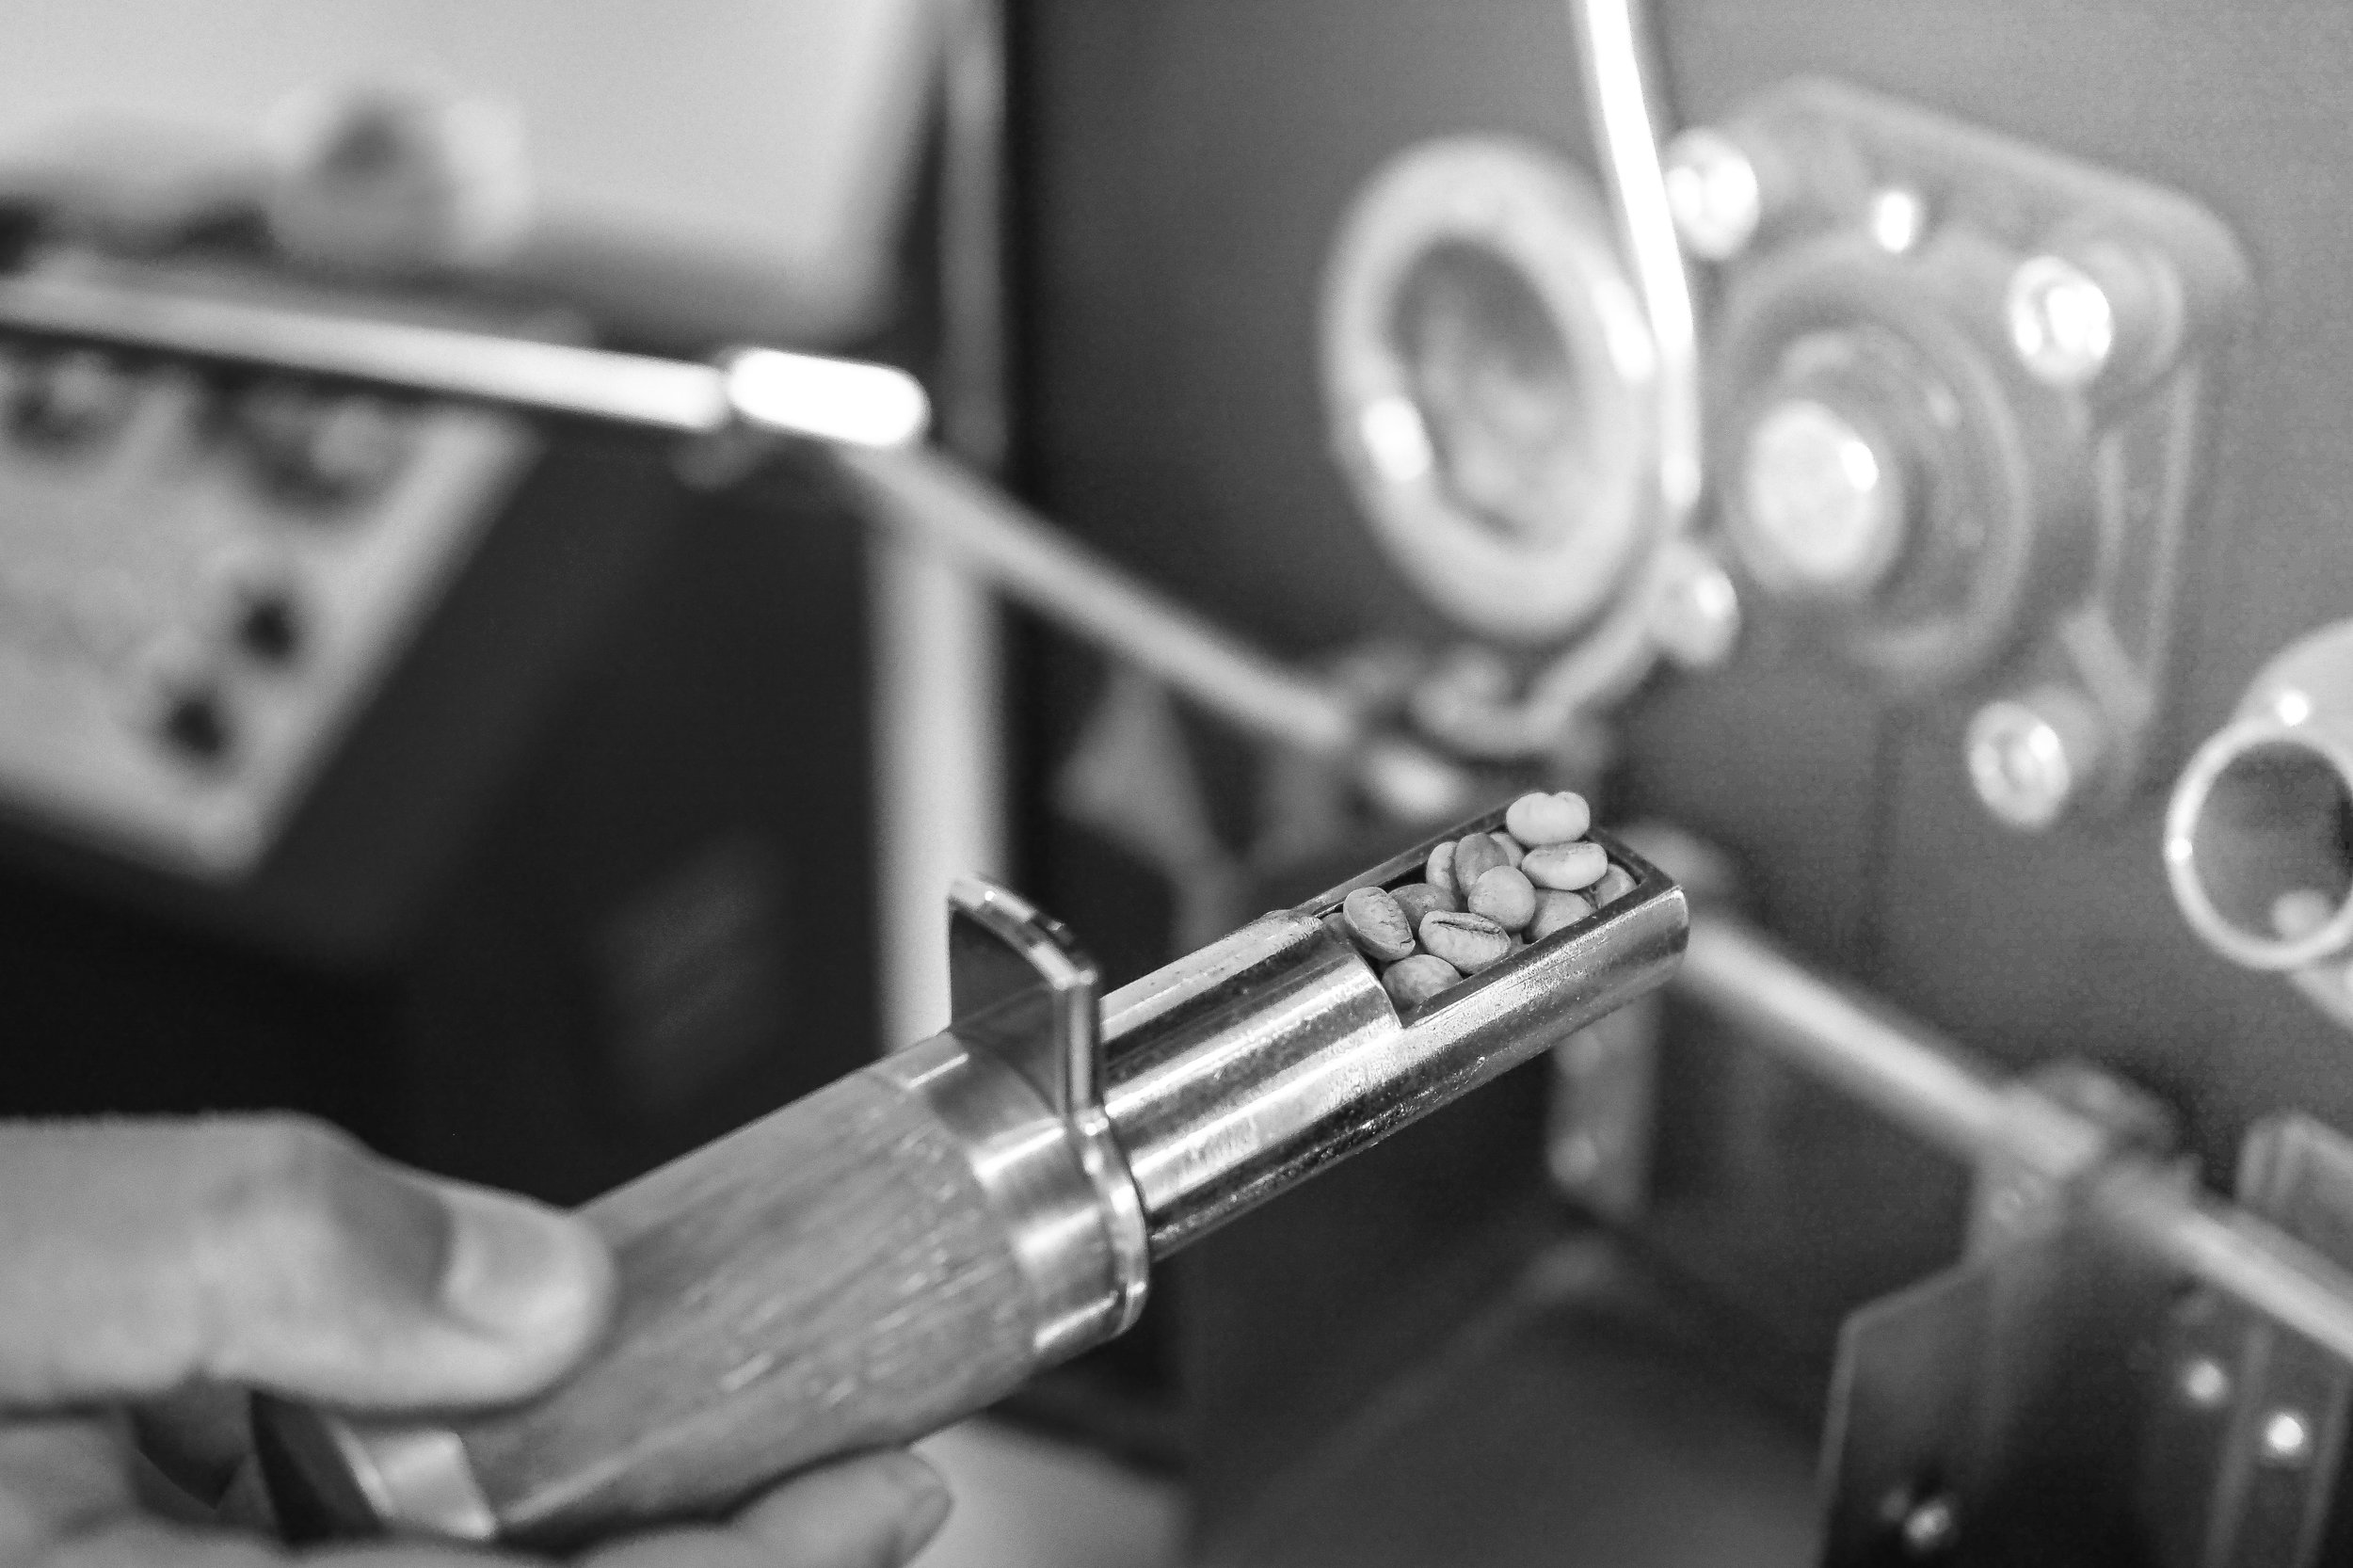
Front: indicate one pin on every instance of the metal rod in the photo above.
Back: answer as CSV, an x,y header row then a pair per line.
x,y
806,395
1626,104
1029,560
926,495
1932,1086
672,397
1954,1099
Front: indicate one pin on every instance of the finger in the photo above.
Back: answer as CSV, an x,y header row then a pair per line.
x,y
58,1475
276,1253
874,1512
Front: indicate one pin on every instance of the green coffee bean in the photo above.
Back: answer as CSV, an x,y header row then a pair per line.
x,y
1505,897
1419,978
1537,820
1513,852
1475,855
1554,911
1567,868
1469,942
1417,899
1439,871
2301,911
1612,888
1378,925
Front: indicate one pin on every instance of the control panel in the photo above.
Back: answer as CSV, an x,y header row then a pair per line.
x,y
202,580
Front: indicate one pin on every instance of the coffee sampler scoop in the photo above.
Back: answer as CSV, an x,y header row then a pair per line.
x,y
911,1242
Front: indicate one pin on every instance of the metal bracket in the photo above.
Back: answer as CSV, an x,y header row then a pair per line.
x,y
2066,1119
2244,1452
1972,1416
1001,947
1603,1114
1970,1413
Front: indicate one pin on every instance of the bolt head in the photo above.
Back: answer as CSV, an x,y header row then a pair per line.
x,y
2287,1437
2062,322
2204,1383
1825,507
1576,1159
1712,193
1931,1528
1897,220
2030,756
1696,621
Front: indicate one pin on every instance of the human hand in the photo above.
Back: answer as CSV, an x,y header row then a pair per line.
x,y
152,1272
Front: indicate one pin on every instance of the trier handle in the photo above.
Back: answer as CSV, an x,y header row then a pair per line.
x,y
856,1270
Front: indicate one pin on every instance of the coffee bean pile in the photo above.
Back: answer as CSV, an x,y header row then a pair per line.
x,y
1484,897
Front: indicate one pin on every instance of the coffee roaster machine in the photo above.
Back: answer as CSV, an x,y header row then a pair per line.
x,y
1870,451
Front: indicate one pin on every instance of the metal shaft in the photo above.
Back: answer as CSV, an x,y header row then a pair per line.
x,y
1946,1095
871,412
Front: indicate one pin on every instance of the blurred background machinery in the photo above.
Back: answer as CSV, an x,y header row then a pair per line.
x,y
1886,453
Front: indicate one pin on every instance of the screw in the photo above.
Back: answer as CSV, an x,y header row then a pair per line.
x,y
1576,1159
1696,621
2030,756
1898,217
1931,1528
2204,1383
2287,1438
2061,321
1713,194
1820,496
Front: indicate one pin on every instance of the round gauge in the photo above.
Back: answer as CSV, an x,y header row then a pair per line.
x,y
1489,376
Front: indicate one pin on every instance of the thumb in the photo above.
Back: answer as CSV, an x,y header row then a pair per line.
x,y
276,1253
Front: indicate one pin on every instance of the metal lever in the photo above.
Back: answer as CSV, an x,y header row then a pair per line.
x,y
1000,946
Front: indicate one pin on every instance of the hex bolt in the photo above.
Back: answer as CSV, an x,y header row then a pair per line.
x,y
2204,1382
2030,756
1713,194
1696,619
1930,1526
2287,1439
1824,501
1897,220
2062,322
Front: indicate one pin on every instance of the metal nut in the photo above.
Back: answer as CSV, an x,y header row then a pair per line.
x,y
1713,194
2031,757
2062,323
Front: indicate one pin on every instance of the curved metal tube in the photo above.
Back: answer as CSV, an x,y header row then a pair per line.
x,y
1627,107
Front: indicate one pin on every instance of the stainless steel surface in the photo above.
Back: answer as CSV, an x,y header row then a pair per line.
x,y
1034,1176
792,395
1268,1057
1000,946
418,1476
1958,1102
